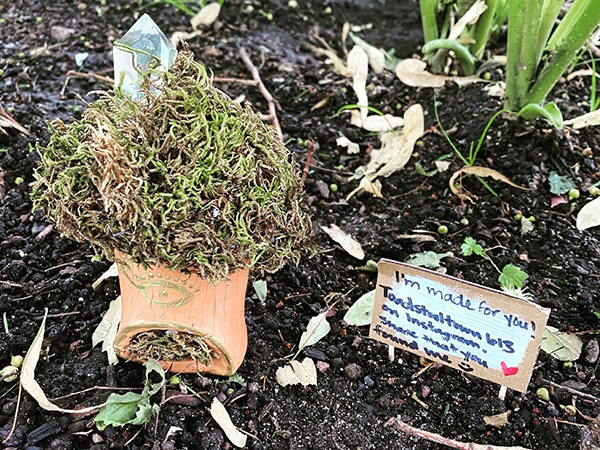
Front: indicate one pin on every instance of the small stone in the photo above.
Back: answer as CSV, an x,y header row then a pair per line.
x,y
96,438
572,384
317,354
337,362
333,351
425,391
357,341
323,188
168,445
61,33
581,375
369,381
353,371
322,366
591,351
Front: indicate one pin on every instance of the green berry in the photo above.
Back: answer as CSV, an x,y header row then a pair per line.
x,y
568,365
573,194
21,55
329,10
9,373
333,187
594,191
19,180
230,391
16,361
518,217
443,229
543,394
570,410
1,72
174,381
531,218
487,76
464,221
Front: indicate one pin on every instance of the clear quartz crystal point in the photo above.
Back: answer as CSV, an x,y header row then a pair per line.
x,y
142,48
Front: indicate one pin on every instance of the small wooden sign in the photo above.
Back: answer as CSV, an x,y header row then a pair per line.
x,y
478,330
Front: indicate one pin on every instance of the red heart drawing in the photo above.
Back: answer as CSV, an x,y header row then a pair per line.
x,y
508,370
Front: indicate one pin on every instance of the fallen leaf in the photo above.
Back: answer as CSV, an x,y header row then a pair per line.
x,y
335,60
206,16
317,329
412,73
358,65
417,237
496,89
260,287
376,123
557,200
107,330
221,416
560,184
429,260
178,36
350,245
586,120
112,271
6,121
468,18
497,420
373,187
442,166
482,172
28,375
376,56
321,103
559,345
304,373
361,312
352,147
589,215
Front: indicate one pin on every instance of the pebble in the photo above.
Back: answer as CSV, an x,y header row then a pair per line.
x,y
357,341
369,381
168,445
592,349
333,351
317,354
323,188
322,366
61,33
425,391
337,362
353,371
96,438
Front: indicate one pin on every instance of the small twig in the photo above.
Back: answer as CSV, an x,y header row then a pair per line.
x,y
310,145
95,388
75,74
571,390
14,424
11,284
77,261
51,316
234,80
133,437
433,437
45,232
263,90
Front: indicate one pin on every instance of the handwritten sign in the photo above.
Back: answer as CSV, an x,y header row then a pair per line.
x,y
480,331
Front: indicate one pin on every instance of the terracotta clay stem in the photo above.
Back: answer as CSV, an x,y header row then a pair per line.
x,y
263,90
405,428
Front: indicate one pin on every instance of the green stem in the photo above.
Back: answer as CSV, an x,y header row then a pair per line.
x,y
516,10
568,23
566,49
429,19
462,53
550,12
483,29
528,53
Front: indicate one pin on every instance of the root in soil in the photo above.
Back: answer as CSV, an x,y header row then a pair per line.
x,y
169,345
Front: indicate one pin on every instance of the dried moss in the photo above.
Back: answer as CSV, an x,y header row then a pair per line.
x,y
185,177
168,345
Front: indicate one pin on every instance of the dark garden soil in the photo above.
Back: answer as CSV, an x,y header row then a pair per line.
x,y
358,388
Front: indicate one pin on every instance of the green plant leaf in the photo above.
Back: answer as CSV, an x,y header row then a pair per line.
x,y
597,315
316,330
131,408
560,185
361,312
559,345
549,111
430,260
260,287
512,277
471,246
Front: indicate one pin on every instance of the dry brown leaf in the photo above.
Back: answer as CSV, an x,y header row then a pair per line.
x,y
345,32
483,172
352,147
304,373
416,237
412,73
373,187
178,36
376,123
468,18
497,420
221,416
496,89
350,245
206,16
112,271
107,330
585,120
28,375
6,121
321,103
358,65
589,215
335,60
402,148
442,166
